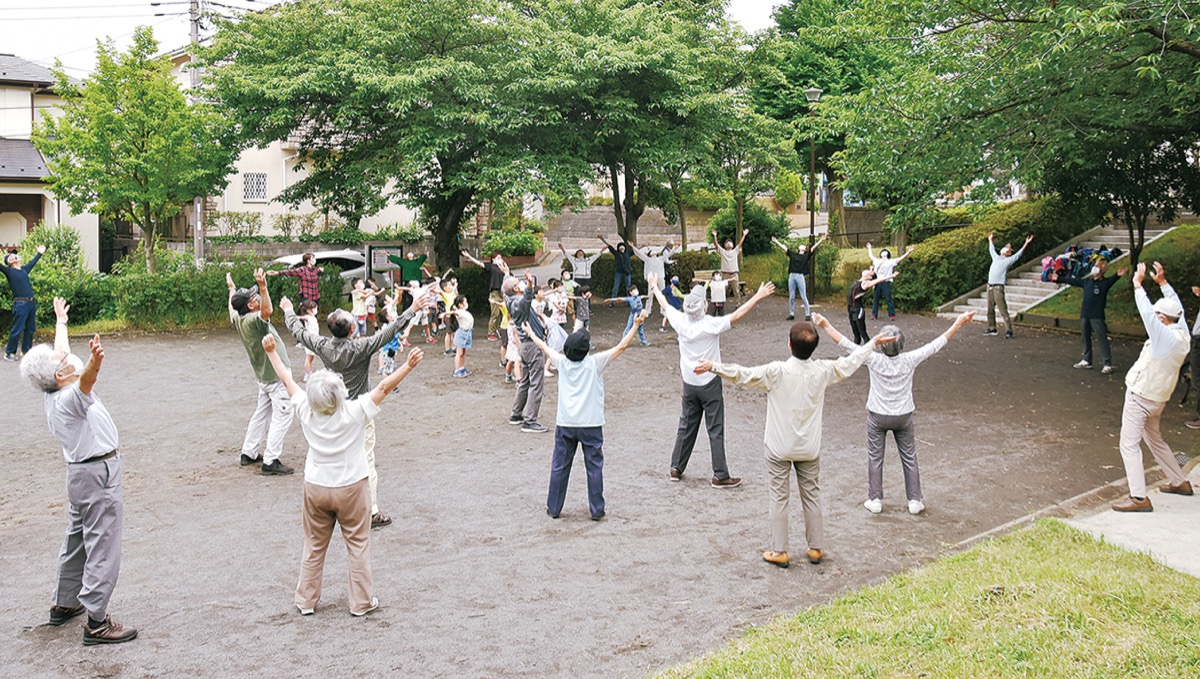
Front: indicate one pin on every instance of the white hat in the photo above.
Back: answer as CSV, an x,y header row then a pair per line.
x,y
1169,307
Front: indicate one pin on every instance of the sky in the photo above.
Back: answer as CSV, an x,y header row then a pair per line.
x,y
45,30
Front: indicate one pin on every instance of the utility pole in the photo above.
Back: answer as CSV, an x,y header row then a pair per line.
x,y
198,201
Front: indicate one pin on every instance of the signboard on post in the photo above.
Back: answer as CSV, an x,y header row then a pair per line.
x,y
377,257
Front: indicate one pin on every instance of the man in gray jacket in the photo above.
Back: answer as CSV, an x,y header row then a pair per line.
x,y
352,359
997,277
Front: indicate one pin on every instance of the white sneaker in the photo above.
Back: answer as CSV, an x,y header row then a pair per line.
x,y
374,605
304,611
1106,370
915,507
874,505
1084,365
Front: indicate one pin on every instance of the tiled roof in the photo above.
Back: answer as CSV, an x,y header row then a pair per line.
x,y
18,70
20,160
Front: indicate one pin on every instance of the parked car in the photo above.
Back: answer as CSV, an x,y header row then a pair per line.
x,y
352,263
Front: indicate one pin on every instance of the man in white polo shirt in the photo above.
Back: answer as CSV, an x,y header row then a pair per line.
x,y
700,339
90,560
1148,387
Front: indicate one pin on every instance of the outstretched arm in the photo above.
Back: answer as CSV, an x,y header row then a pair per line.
x,y
535,339
62,341
824,324
390,382
872,283
652,282
904,256
233,314
285,375
87,379
765,290
779,244
628,338
871,255
264,296
472,259
745,232
959,322
824,237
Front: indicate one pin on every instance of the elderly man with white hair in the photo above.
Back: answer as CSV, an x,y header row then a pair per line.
x,y
1148,387
90,560
890,408
336,489
700,340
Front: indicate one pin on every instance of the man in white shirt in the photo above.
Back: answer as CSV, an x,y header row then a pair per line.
x,y
655,265
90,560
1148,387
890,408
795,404
699,339
729,255
997,277
580,418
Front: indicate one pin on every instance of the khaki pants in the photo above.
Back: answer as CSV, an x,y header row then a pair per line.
x,y
323,507
1139,422
807,472
372,475
995,298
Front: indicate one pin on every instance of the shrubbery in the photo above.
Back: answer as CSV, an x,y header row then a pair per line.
x,y
512,243
404,233
953,263
340,235
763,226
683,264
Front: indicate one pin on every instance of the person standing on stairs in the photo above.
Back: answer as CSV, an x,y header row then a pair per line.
x,y
1091,312
997,277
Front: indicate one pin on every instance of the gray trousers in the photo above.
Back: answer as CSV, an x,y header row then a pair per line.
x,y
904,432
1194,357
807,473
995,298
1096,326
90,560
707,400
532,385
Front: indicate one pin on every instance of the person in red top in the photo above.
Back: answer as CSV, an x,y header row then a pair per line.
x,y
308,275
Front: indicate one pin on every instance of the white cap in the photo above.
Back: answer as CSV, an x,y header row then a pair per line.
x,y
1169,307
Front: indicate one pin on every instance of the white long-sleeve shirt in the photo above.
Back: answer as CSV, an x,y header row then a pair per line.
x,y
998,273
655,265
892,377
1154,374
795,399
581,267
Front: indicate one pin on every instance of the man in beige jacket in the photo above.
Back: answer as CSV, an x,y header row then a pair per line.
x,y
1148,388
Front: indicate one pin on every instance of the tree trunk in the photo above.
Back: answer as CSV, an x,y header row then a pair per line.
x,y
616,196
445,235
1135,219
635,205
148,239
678,196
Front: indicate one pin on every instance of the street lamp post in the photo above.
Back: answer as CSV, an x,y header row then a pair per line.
x,y
812,94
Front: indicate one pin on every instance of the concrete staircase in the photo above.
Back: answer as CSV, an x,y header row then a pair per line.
x,y
1025,288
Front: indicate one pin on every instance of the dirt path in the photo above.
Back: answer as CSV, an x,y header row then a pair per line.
x,y
474,578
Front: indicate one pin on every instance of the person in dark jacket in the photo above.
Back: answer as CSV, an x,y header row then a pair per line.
x,y
24,309
1091,312
622,266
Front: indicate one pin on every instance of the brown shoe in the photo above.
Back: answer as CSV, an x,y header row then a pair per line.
x,y
1181,488
1132,504
379,520
110,632
676,475
59,615
731,482
778,558
814,555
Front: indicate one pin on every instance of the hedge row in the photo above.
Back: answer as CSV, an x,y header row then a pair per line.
x,y
954,263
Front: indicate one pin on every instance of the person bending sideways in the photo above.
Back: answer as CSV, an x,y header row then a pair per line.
x,y
90,560
336,490
1148,387
795,401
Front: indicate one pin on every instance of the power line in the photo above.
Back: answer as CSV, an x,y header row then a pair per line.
x,y
112,16
66,7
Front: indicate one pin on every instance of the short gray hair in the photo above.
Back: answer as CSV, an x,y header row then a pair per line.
x,y
892,348
40,368
326,392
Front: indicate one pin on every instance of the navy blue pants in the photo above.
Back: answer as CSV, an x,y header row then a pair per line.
x,y
566,440
621,283
24,315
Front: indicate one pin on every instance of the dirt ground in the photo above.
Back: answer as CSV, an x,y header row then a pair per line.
x,y
474,578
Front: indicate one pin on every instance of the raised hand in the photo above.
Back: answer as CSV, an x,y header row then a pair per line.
x,y
640,318
414,357
820,321
1139,275
60,309
881,339
1029,239
1122,272
260,277
96,348
652,280
964,318
229,281
41,249
268,343
765,289
1159,275
286,305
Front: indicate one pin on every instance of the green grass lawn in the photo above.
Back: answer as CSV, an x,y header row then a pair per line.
x,y
1047,601
1179,252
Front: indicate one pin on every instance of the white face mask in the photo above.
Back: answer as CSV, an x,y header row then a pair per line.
x,y
75,362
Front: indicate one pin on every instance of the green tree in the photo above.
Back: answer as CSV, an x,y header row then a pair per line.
x,y
438,105
789,188
129,145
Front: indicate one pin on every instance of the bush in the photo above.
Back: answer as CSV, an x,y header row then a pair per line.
x,y
60,273
236,224
600,200
939,221
222,240
512,243
762,225
64,248
165,260
789,188
286,225
340,235
701,198
404,233
953,263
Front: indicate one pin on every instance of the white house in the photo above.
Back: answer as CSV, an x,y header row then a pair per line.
x,y
26,89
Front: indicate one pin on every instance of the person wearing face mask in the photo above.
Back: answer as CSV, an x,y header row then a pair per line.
x,y
884,265
90,559
798,262
24,310
997,277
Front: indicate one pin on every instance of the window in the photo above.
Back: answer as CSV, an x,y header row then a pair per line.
x,y
254,187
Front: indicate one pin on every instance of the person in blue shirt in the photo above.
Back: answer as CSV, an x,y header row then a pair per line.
x,y
636,304
1091,312
24,309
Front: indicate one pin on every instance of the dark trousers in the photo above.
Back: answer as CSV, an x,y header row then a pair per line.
x,y
883,291
858,323
24,313
1195,368
528,402
566,440
706,400
621,283
1097,326
903,431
